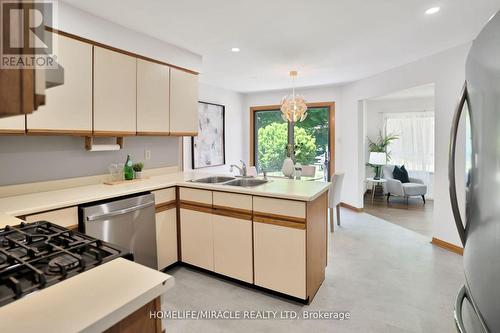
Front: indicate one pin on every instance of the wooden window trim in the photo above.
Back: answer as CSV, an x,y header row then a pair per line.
x,y
331,131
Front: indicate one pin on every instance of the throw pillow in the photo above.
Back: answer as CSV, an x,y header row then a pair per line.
x,y
406,177
400,174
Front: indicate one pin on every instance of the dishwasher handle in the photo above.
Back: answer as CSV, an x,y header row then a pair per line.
x,y
120,212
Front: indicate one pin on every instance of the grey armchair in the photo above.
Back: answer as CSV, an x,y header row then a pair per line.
x,y
415,187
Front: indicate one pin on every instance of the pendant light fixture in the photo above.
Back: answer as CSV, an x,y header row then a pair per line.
x,y
293,107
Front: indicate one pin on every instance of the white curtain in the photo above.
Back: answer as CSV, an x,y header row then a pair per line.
x,y
415,144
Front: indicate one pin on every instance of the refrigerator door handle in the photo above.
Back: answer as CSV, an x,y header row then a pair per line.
x,y
458,310
457,313
451,164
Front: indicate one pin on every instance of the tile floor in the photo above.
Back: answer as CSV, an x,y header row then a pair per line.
x,y
389,278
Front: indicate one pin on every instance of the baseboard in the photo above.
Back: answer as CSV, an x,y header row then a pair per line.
x,y
356,209
448,246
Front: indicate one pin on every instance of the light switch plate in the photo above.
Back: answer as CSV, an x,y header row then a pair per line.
x,y
147,154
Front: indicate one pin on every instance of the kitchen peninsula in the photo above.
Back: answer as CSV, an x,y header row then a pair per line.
x,y
273,236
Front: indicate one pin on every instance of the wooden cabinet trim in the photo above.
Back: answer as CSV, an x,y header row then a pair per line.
x,y
195,203
139,320
58,132
104,46
166,206
183,133
316,244
153,133
12,132
280,217
113,133
236,210
281,223
196,206
231,212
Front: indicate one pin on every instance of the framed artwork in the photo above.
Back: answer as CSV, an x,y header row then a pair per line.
x,y
208,148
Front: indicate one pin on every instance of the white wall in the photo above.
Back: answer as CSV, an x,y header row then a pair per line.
x,y
446,70
236,128
75,21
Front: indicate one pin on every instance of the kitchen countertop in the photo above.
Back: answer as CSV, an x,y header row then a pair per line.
x,y
44,201
91,301
8,220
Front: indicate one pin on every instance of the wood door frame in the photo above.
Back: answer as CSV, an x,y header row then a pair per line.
x,y
331,131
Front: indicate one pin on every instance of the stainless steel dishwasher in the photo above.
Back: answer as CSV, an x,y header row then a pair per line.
x,y
128,222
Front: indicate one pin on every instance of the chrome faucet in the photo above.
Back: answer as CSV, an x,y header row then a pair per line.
x,y
242,170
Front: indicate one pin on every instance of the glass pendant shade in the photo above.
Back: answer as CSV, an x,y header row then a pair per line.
x,y
293,107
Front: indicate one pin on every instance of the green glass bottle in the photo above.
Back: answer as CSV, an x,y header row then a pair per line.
x,y
128,172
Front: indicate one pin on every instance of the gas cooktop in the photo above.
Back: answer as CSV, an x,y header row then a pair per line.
x,y
36,255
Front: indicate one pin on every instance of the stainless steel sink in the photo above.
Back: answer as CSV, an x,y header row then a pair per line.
x,y
246,182
213,180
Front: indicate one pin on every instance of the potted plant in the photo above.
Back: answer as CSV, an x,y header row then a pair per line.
x,y
380,145
138,170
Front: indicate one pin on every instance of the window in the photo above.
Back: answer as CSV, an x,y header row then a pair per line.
x,y
415,146
312,139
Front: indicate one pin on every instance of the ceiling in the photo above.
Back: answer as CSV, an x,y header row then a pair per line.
x,y
423,91
327,41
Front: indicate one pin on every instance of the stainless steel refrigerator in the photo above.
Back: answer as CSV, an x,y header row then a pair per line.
x,y
477,307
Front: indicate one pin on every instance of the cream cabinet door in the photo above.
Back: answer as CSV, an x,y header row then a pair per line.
x,y
68,108
166,237
197,245
66,217
114,93
164,196
153,98
192,195
280,259
233,247
12,125
183,103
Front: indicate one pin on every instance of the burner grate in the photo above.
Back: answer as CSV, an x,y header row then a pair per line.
x,y
36,255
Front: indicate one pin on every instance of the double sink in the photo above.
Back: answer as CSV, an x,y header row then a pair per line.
x,y
231,181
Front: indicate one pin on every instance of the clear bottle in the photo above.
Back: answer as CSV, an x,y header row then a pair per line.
x,y
128,172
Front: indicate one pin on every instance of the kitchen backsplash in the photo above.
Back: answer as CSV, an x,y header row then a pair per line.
x,y
26,159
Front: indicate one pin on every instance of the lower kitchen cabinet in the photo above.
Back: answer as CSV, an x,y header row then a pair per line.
x,y
166,237
12,125
233,247
139,321
197,243
280,258
66,217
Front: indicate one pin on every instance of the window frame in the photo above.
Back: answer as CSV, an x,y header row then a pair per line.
x,y
331,131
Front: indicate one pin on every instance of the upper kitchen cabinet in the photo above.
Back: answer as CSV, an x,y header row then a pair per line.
x,y
68,107
22,88
153,96
183,103
114,93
